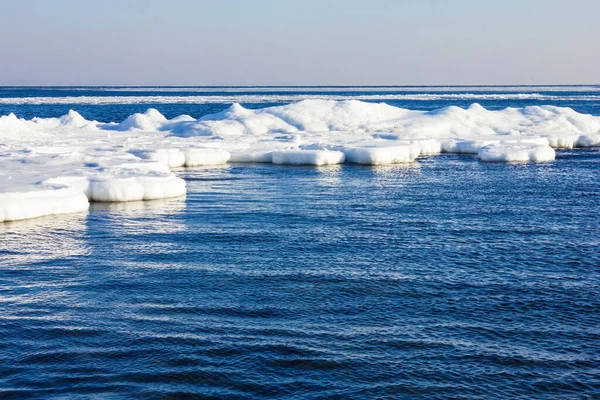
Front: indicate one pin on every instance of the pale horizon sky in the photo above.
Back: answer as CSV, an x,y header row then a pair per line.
x,y
327,42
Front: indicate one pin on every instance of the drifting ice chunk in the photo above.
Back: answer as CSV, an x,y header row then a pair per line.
x,y
251,157
382,155
466,146
474,146
125,182
572,141
200,157
516,152
588,141
135,188
16,206
308,157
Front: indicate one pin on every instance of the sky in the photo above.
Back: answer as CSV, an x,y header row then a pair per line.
x,y
301,42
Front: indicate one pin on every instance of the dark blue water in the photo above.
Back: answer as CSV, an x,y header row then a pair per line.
x,y
583,99
449,278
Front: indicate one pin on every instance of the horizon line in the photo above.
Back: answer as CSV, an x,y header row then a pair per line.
x,y
301,86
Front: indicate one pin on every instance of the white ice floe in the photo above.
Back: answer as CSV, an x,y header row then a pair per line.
x,y
308,157
255,156
382,155
57,165
516,152
202,157
40,203
192,157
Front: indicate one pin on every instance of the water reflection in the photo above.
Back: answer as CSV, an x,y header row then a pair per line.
x,y
329,175
392,170
141,208
150,226
27,242
138,217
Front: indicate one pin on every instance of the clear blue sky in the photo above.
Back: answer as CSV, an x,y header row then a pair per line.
x,y
279,42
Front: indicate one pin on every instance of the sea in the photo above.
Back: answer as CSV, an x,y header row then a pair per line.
x,y
447,278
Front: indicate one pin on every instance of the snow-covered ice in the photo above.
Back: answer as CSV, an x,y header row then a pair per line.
x,y
39,203
377,155
516,152
308,157
57,165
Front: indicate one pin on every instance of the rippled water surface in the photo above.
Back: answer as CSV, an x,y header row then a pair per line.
x,y
109,104
449,278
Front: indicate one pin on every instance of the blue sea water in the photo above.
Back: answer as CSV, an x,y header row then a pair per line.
x,y
447,278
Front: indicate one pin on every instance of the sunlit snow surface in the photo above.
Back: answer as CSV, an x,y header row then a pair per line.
x,y
58,165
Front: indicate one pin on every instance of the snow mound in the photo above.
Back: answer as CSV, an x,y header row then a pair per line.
x,y
73,120
151,120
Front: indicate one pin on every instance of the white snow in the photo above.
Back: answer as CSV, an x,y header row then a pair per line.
x,y
200,157
308,157
39,203
257,156
57,165
516,152
148,121
382,155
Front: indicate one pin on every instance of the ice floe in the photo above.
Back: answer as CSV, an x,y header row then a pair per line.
x,y
382,155
58,165
308,157
516,152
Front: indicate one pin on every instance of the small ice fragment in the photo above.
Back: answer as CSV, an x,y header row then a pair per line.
x,y
308,157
